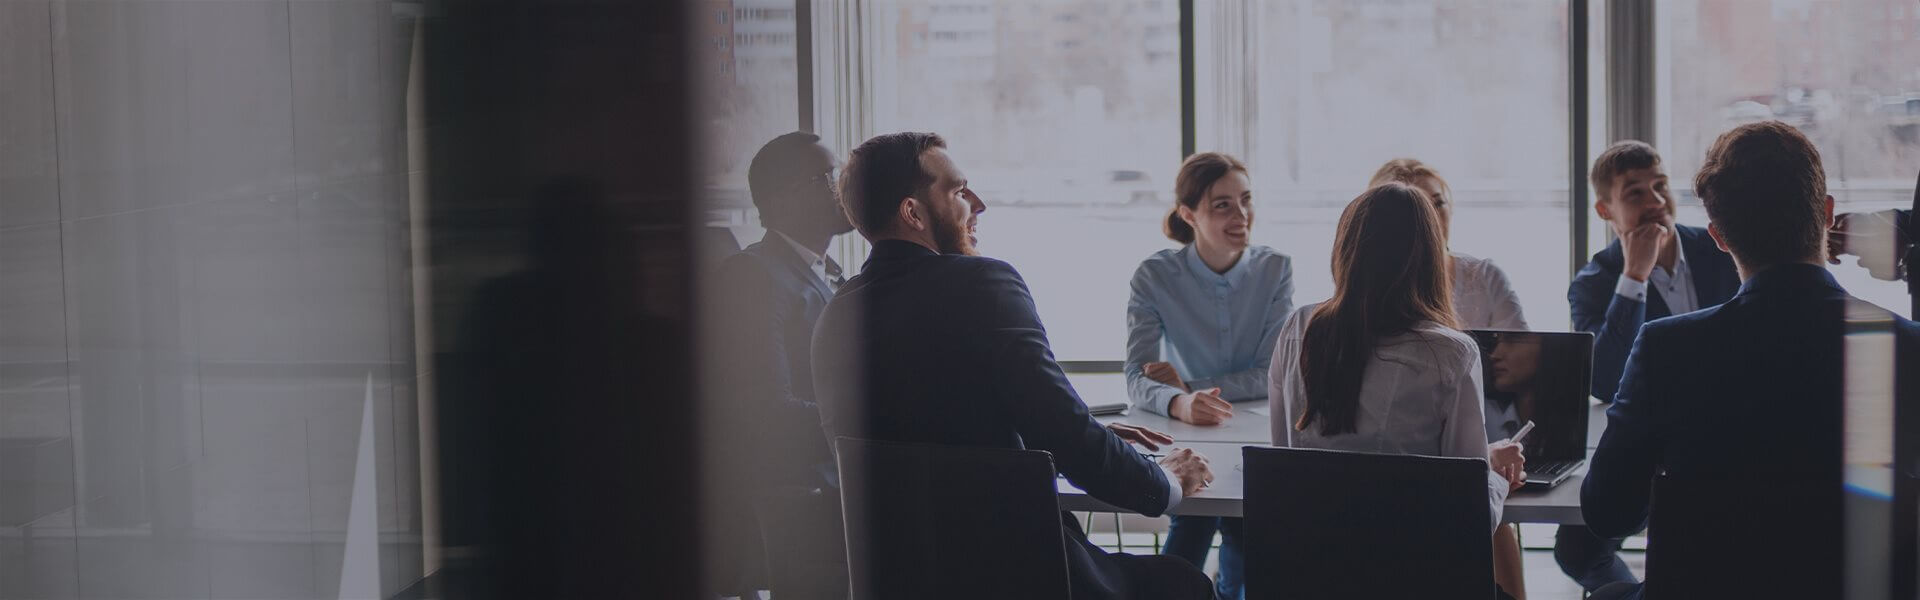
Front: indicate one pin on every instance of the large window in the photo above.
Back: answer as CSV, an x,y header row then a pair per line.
x,y
748,70
1065,116
1843,71
1344,86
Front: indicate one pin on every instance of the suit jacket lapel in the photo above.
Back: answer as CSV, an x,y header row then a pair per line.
x,y
797,267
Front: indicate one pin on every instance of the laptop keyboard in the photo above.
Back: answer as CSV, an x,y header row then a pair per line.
x,y
1551,470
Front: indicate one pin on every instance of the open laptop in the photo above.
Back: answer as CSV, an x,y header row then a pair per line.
x,y
1105,393
1110,407
1543,377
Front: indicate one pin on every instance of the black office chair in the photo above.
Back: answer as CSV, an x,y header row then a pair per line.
x,y
1773,536
1329,524
925,521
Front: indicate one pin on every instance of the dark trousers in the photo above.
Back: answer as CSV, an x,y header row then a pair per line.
x,y
1095,574
1163,577
1591,561
1620,591
1192,537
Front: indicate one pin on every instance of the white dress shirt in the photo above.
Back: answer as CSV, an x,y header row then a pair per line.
x,y
1482,296
1676,288
1421,396
813,259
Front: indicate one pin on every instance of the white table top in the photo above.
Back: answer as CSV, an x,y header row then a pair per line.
x,y
1252,422
1559,504
1251,425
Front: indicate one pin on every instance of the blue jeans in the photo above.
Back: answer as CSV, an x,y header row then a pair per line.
x,y
1591,561
1192,537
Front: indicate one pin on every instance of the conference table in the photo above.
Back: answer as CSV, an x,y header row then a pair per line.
x,y
1251,426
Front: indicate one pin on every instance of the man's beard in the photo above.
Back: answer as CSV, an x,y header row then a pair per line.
x,y
951,237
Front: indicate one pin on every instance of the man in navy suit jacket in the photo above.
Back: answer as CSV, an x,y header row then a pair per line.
x,y
931,344
1749,391
772,294
1654,268
768,297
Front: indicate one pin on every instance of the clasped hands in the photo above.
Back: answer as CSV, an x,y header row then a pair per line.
x,y
1204,407
1190,467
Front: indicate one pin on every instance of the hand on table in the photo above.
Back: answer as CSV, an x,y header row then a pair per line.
x,y
1192,469
1163,372
1201,408
1506,458
1140,435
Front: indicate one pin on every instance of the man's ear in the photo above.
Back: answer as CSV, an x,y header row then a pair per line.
x,y
1713,230
1600,208
1827,211
909,215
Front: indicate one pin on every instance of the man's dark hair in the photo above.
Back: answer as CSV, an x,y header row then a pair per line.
x,y
774,168
880,175
1766,192
1622,156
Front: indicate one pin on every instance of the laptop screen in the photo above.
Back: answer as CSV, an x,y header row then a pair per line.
x,y
1542,377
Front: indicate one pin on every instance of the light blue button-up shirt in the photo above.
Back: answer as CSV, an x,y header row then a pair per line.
x,y
1217,329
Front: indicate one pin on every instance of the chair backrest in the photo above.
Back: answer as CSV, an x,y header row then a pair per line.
x,y
927,521
1332,524
1732,537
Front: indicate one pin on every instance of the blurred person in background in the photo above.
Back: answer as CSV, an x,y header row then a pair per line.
x,y
1482,296
1201,321
1882,240
769,296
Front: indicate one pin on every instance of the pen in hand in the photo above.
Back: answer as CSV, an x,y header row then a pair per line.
x,y
1522,434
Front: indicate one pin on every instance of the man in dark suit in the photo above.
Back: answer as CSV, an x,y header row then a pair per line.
x,y
1751,390
775,463
1654,268
933,344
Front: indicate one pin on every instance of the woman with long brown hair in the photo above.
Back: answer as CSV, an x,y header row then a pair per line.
x,y
1482,299
1380,367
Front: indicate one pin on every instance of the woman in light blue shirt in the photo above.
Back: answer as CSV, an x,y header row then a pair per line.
x,y
1201,323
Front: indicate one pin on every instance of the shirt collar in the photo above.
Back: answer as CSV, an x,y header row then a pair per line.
x,y
1679,252
811,257
1793,277
1234,275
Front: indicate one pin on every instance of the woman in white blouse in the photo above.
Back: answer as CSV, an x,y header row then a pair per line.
x,y
1482,297
1380,366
